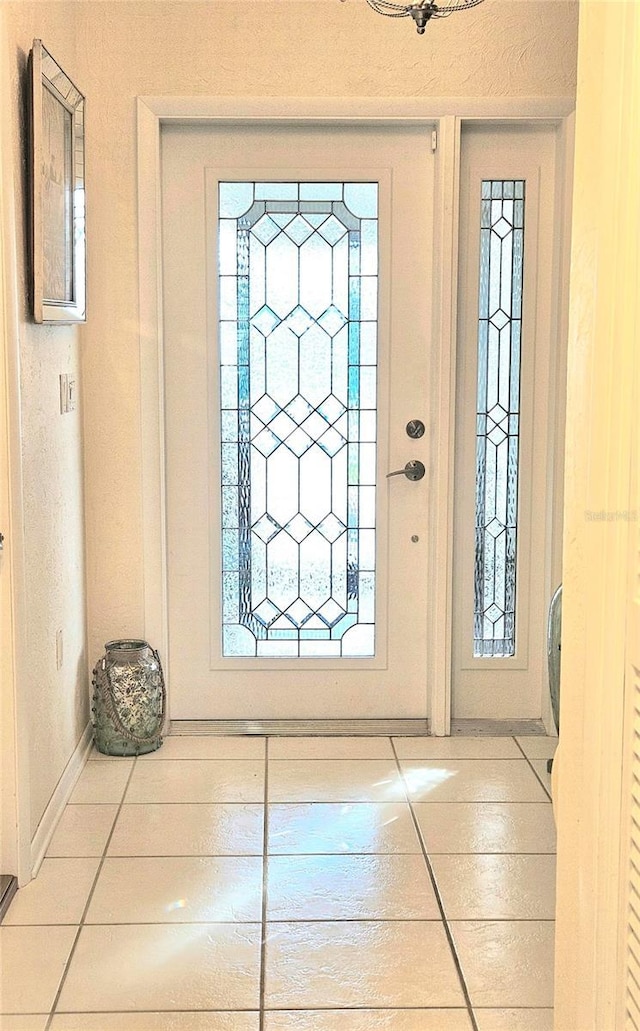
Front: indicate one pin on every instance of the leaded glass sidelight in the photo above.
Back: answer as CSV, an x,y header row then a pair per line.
x,y
298,265
498,414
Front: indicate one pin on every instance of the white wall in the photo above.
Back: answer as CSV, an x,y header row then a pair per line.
x,y
116,51
52,469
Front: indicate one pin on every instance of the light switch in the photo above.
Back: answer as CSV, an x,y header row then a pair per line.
x,y
67,393
64,393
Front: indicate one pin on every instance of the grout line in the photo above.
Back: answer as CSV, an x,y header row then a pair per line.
x,y
323,801
325,758
295,855
306,920
278,1009
336,758
436,891
265,848
390,759
89,898
534,771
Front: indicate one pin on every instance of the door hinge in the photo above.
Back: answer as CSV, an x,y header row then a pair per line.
x,y
434,140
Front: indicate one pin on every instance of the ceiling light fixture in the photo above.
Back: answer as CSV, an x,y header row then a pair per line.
x,y
421,12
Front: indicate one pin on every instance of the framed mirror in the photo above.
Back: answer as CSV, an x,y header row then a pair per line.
x,y
57,192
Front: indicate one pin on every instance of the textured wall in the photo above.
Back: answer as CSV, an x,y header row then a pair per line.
x,y
52,465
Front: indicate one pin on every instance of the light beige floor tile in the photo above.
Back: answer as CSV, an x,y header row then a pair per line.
x,y
368,1020
209,746
330,748
486,826
496,887
83,830
102,782
343,780
350,888
164,966
177,889
514,1020
540,766
185,829
342,827
456,748
24,1022
193,780
57,895
156,1022
369,964
32,961
538,747
506,963
472,780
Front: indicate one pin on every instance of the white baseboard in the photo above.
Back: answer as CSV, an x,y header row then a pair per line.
x,y
59,799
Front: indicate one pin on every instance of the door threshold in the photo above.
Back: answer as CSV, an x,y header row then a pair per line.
x,y
306,728
354,728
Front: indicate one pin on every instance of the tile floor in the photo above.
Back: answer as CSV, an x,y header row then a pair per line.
x,y
293,884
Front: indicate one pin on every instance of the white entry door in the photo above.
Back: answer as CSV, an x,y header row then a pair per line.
x,y
297,272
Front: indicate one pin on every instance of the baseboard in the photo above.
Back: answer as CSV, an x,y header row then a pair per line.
x,y
59,799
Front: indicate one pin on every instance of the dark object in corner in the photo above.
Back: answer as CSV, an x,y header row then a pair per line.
x,y
554,633
8,888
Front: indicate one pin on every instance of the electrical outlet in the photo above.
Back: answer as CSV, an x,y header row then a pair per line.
x,y
59,649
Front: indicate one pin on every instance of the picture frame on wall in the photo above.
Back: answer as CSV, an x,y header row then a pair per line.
x,y
57,192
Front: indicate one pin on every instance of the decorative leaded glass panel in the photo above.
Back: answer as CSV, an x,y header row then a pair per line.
x,y
298,264
498,414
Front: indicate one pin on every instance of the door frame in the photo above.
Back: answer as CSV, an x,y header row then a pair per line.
x,y
444,116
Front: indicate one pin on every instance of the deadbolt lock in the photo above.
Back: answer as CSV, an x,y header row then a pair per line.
x,y
415,429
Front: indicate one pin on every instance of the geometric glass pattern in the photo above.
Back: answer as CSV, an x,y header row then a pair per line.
x,y
498,415
298,306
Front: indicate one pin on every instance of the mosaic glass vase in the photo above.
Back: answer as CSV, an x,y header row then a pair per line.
x,y
129,699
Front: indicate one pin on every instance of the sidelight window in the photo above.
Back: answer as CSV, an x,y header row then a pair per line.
x,y
498,416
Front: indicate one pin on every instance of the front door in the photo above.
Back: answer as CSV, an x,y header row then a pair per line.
x,y
297,271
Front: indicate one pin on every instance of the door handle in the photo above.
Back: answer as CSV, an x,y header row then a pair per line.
x,y
413,470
